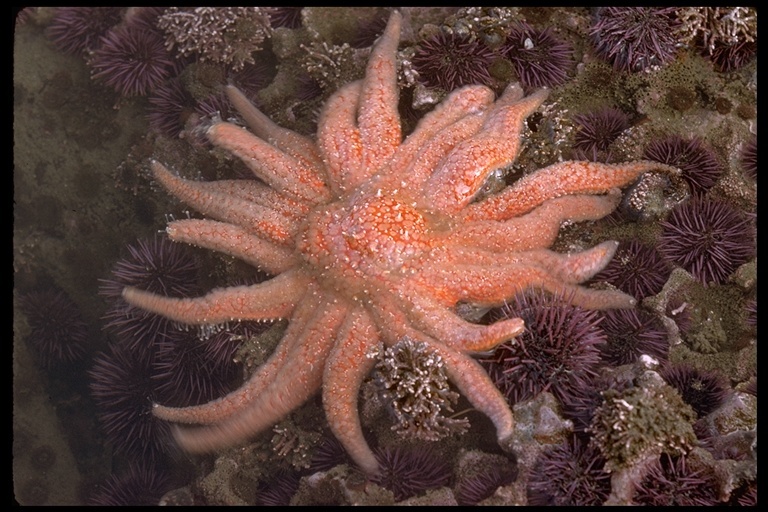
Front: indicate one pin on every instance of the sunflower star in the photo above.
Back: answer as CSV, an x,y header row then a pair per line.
x,y
372,238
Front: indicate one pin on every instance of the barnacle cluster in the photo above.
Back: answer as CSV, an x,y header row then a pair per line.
x,y
642,422
225,35
415,381
490,22
294,444
331,65
718,25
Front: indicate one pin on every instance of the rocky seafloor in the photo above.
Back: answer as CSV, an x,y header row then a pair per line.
x,y
82,193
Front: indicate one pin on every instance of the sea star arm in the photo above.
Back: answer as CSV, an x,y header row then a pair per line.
x,y
557,180
487,284
339,138
378,118
461,174
472,99
390,319
289,388
440,322
589,298
259,193
235,241
468,375
269,300
536,229
238,400
289,142
350,360
475,384
439,273
529,276
281,171
257,218
461,120
574,267
435,150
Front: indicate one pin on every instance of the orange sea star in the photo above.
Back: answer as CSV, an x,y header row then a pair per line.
x,y
372,238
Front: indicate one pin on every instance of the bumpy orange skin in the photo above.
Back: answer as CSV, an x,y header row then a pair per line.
x,y
372,238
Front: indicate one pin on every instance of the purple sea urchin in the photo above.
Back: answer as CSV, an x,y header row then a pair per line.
x,y
132,60
368,31
700,166
751,386
252,78
704,391
288,17
570,474
308,88
58,332
474,488
328,454
631,333
751,308
672,482
710,239
634,38
156,265
23,15
143,17
637,269
410,471
77,30
538,57
140,485
580,404
680,311
184,369
449,61
556,353
123,391
596,131
731,57
278,491
745,495
749,158
170,107
216,105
